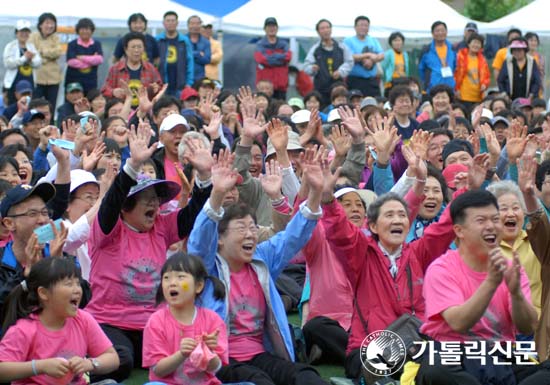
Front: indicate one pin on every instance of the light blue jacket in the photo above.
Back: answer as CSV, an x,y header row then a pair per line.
x,y
269,259
388,64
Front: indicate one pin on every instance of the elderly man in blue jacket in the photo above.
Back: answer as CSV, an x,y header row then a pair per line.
x,y
438,62
260,343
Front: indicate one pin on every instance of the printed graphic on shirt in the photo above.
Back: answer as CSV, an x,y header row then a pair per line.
x,y
25,70
473,75
244,319
144,56
330,65
134,85
86,70
140,281
172,55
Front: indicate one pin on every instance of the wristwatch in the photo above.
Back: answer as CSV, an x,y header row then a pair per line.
x,y
95,363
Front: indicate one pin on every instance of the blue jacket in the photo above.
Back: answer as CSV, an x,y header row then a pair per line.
x,y
430,67
202,45
388,64
269,260
185,69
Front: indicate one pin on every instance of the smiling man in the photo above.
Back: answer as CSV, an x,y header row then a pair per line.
x,y
473,294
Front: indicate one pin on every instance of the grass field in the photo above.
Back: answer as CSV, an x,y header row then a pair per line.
x,y
140,376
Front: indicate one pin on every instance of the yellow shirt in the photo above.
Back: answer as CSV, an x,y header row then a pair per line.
x,y
530,264
442,53
399,67
470,89
499,58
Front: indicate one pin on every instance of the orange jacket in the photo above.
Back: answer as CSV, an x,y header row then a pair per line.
x,y
462,68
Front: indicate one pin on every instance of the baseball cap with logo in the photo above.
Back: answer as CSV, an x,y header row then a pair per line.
x,y
23,87
471,26
19,193
31,114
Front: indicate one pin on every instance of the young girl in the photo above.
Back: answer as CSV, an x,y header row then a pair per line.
x,y
183,343
47,339
9,170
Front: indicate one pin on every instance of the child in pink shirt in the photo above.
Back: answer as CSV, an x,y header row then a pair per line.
x,y
47,339
183,343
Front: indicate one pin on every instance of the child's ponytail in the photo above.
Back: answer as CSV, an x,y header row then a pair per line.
x,y
23,299
19,304
219,287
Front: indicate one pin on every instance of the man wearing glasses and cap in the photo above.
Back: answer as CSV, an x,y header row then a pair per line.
x,y
272,56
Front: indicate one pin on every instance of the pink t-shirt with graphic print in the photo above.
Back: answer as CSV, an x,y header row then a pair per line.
x,y
125,271
247,309
29,340
450,282
162,337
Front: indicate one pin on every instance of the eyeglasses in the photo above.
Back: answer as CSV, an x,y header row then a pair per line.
x,y
88,199
242,229
33,214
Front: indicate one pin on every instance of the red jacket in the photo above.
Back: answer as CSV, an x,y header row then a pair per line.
x,y
380,298
272,62
462,68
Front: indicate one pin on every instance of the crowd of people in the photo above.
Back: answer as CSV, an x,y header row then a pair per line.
x,y
161,221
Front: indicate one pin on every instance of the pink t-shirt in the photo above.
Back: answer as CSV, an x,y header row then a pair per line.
x,y
125,271
162,337
171,174
247,309
29,340
450,282
331,293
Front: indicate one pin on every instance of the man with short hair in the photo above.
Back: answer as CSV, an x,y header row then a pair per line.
x,y
438,60
73,93
366,52
327,60
504,52
211,70
474,295
272,56
440,138
137,22
32,122
201,46
176,64
469,30
23,88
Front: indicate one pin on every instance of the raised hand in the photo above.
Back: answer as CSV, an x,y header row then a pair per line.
x,y
205,106
385,139
478,171
213,127
512,276
60,236
160,93
341,141
33,251
492,143
85,135
419,143
82,105
89,161
272,181
526,175
139,145
516,141
145,105
278,134
251,126
200,156
352,122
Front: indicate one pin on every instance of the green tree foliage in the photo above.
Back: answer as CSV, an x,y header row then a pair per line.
x,y
489,10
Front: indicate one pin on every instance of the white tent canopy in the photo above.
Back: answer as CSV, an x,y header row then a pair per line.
x,y
104,13
532,17
298,18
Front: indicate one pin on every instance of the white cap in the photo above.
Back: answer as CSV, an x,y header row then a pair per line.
x,y
22,24
80,177
301,116
172,121
486,113
344,191
333,115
